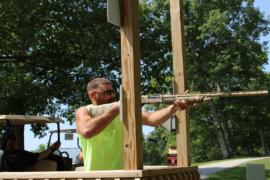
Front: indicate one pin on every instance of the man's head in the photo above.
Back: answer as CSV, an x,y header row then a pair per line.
x,y
100,91
10,140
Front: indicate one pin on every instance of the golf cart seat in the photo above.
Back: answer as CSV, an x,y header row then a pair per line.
x,y
79,168
43,165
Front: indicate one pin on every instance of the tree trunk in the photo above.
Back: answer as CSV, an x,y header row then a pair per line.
x,y
222,144
263,141
222,133
226,134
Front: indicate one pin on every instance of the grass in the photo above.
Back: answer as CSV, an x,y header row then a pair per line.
x,y
239,172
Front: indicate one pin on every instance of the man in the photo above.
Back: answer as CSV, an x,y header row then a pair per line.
x,y
101,131
18,160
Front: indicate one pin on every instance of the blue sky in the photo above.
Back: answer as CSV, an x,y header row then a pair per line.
x,y
264,6
33,143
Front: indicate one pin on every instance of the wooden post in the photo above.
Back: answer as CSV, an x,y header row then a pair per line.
x,y
130,54
179,69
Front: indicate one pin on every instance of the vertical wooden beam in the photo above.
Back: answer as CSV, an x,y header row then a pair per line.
x,y
179,69
130,62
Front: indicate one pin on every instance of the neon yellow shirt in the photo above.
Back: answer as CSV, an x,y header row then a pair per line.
x,y
104,151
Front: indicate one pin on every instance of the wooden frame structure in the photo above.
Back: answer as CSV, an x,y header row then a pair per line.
x,y
179,84
131,77
131,102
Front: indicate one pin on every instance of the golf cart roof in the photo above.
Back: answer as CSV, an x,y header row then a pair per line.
x,y
22,119
64,131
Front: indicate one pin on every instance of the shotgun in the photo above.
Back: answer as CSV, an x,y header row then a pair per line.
x,y
198,97
191,97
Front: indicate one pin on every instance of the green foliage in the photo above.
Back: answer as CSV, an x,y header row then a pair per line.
x,y
48,52
155,43
171,139
41,148
224,54
156,147
204,146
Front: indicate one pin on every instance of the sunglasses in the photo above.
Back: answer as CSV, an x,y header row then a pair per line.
x,y
107,92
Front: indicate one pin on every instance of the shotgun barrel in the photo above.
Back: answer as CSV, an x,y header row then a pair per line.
x,y
198,97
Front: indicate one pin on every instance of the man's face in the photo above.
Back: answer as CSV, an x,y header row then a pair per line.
x,y
11,143
104,94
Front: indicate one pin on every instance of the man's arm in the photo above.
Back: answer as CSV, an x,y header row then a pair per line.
x,y
89,126
159,117
47,152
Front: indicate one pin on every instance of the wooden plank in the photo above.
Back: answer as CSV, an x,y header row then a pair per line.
x,y
197,175
23,119
168,170
71,174
179,69
130,53
155,173
174,176
185,176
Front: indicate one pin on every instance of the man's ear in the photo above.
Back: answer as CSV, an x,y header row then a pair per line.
x,y
92,94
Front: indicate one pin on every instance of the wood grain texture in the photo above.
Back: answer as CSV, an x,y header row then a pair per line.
x,y
150,173
179,69
130,63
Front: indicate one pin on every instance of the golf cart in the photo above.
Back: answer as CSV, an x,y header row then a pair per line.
x,y
71,152
9,122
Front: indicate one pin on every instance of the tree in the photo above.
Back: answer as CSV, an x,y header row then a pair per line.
x,y
48,52
156,146
223,54
224,43
56,52
41,148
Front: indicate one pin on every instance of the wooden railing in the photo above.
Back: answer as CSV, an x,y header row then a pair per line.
x,y
149,173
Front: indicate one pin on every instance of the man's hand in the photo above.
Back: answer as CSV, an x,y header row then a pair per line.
x,y
49,151
182,104
55,145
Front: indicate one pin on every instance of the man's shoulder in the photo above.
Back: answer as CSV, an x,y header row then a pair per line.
x,y
83,108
